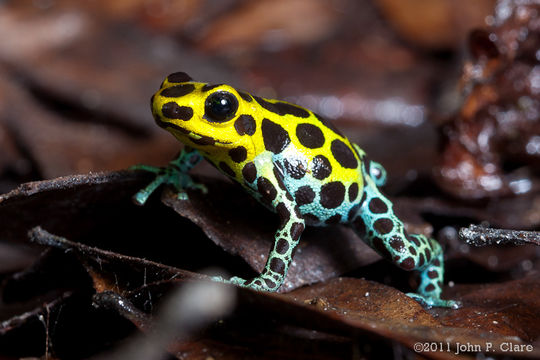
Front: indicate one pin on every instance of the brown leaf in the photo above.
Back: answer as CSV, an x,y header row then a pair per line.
x,y
490,147
111,271
359,299
511,308
57,204
241,226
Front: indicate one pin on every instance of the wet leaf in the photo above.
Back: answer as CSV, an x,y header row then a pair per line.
x,y
107,268
510,308
322,253
490,146
59,203
75,79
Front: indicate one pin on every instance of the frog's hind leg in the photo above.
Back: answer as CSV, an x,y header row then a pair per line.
x,y
376,223
432,275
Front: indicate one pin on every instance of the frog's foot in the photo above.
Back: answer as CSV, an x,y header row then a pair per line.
x,y
429,301
234,280
142,167
219,279
166,175
431,278
257,283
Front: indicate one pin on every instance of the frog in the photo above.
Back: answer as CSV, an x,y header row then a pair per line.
x,y
295,163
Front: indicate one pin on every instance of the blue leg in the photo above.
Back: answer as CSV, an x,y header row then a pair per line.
x,y
175,173
286,238
431,280
380,228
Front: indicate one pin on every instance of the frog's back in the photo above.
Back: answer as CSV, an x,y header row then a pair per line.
x,y
319,166
264,144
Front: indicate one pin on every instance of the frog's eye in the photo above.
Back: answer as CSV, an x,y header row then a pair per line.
x,y
220,106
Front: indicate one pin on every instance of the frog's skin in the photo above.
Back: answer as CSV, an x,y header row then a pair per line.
x,y
297,165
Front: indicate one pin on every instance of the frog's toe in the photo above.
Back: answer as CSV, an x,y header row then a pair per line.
x,y
238,281
188,183
140,197
219,279
430,302
141,167
234,280
201,187
181,194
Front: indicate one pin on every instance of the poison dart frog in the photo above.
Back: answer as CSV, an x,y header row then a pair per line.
x,y
296,164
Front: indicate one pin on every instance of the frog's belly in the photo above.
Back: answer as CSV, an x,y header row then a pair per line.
x,y
324,197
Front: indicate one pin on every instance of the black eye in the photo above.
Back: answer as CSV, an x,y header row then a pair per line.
x,y
220,106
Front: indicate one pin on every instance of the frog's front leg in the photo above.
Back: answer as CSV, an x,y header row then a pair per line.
x,y
272,191
377,224
175,173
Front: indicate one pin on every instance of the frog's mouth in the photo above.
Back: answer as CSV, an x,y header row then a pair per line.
x,y
197,139
204,140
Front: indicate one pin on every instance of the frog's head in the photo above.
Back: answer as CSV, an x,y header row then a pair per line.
x,y
210,117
